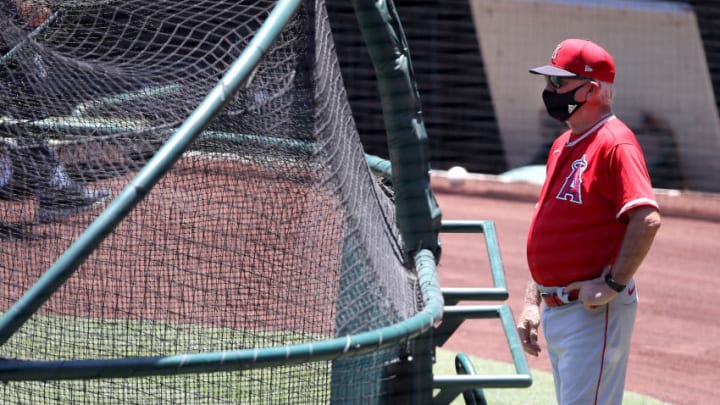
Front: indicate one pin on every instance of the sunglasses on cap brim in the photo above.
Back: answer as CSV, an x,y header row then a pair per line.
x,y
557,81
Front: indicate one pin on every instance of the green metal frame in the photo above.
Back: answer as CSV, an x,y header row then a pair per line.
x,y
498,292
463,365
347,346
37,31
155,169
419,220
419,217
18,370
469,382
418,214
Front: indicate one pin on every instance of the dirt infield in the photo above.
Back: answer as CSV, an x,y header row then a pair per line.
x,y
675,352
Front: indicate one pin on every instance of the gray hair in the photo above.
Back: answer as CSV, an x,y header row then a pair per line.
x,y
607,93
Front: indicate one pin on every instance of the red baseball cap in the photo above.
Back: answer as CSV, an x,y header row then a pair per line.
x,y
579,57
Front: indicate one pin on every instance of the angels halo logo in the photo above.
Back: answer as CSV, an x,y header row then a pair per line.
x,y
555,52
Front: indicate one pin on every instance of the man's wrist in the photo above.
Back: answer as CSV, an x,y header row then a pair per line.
x,y
613,284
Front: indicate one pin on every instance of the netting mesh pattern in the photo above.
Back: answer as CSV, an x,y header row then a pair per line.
x,y
269,231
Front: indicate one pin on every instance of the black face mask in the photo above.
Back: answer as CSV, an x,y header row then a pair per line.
x,y
561,106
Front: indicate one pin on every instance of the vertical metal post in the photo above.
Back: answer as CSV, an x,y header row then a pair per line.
x,y
418,214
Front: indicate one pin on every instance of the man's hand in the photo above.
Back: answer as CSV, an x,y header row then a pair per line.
x,y
528,327
593,293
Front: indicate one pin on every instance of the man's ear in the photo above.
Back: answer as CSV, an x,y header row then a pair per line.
x,y
593,90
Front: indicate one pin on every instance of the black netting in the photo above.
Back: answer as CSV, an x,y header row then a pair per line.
x,y
270,230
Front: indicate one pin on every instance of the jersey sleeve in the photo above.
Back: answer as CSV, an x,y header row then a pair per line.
x,y
633,185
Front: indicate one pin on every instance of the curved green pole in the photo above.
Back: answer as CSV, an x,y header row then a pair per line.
x,y
379,165
37,31
418,214
155,169
348,346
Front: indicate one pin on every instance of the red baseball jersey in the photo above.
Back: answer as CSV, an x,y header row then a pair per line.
x,y
593,180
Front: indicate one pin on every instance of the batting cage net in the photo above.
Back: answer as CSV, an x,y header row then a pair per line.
x,y
270,230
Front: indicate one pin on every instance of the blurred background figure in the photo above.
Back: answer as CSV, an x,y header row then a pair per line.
x,y
28,166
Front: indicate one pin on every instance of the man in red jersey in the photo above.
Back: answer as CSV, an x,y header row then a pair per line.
x,y
595,221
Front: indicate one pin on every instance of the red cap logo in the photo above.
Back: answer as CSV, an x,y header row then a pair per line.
x,y
579,57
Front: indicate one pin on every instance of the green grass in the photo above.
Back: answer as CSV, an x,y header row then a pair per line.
x,y
47,338
138,338
541,392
